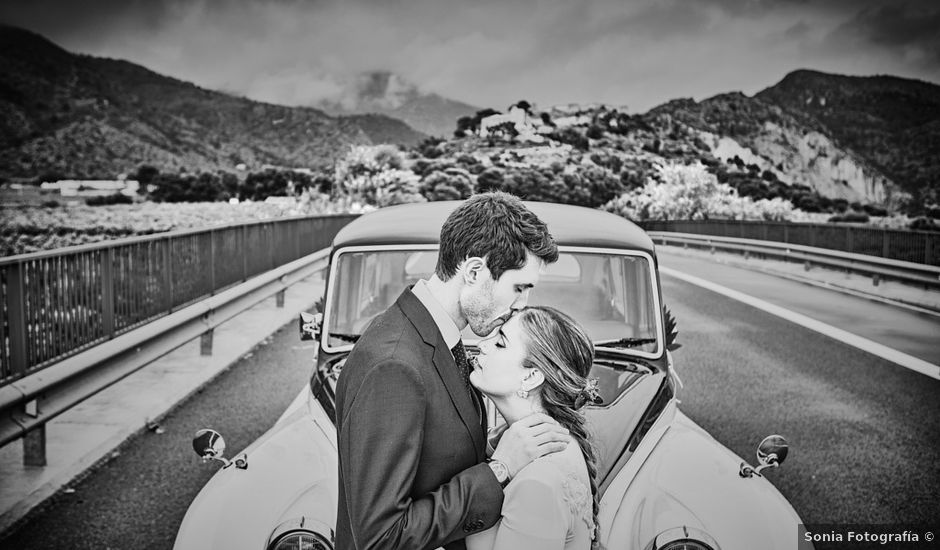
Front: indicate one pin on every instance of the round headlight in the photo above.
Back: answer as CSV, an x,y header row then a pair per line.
x,y
683,538
687,544
301,540
300,534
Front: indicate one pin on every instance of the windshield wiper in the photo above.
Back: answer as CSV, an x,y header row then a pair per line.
x,y
626,343
347,337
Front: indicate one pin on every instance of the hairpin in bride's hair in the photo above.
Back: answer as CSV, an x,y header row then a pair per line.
x,y
588,394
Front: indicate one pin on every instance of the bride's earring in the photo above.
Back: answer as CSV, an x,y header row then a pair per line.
x,y
522,393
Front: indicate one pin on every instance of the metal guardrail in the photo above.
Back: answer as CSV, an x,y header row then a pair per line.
x,y
27,404
895,244
77,319
873,266
60,302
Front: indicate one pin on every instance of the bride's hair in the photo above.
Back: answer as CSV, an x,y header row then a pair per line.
x,y
559,347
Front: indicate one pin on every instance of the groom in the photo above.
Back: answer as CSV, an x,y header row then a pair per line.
x,y
411,430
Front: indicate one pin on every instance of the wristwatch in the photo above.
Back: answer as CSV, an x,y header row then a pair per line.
x,y
500,470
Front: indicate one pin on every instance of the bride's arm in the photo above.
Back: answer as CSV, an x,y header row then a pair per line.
x,y
535,516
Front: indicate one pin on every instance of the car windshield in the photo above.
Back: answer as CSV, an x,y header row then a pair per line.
x,y
611,294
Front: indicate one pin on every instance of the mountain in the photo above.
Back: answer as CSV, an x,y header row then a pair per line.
x,y
82,116
893,123
385,93
867,139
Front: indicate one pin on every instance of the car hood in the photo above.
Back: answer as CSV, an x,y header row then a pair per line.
x,y
690,480
241,508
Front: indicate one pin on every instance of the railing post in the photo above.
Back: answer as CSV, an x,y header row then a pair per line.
x,y
786,232
107,292
272,246
244,252
168,269
212,286
928,249
885,247
849,241
16,309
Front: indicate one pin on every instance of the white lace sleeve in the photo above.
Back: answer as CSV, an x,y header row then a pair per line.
x,y
579,499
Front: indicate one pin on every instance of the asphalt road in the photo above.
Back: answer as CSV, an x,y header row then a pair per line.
x,y
137,499
863,431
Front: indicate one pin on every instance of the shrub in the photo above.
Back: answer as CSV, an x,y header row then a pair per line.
x,y
572,137
850,217
594,132
490,179
421,167
146,174
924,223
429,147
104,200
873,210
531,184
323,184
690,192
452,184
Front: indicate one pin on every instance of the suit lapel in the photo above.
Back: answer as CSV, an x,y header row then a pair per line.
x,y
446,367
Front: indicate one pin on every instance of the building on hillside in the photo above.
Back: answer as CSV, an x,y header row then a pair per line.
x,y
528,128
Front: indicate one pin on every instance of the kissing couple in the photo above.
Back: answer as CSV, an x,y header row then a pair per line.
x,y
419,467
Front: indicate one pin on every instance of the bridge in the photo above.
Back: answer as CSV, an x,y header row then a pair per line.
x,y
120,460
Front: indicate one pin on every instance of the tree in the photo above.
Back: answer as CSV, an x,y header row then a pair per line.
x,y
452,184
146,174
690,192
572,137
466,125
595,132
504,130
490,179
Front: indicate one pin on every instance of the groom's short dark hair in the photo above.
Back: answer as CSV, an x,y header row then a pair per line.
x,y
495,226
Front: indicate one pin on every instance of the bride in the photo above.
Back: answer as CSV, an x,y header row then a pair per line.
x,y
538,362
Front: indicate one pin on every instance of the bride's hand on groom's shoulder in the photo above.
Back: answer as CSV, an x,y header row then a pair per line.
x,y
529,438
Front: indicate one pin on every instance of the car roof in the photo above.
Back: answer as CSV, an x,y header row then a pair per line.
x,y
420,223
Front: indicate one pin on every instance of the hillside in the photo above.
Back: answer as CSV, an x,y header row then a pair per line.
x,y
792,146
894,123
871,139
88,117
384,93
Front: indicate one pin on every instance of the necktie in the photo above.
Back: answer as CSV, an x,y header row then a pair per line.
x,y
463,365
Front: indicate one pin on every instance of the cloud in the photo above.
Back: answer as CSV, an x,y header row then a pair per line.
x,y
909,31
797,31
493,52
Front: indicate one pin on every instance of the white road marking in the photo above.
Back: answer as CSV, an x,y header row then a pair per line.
x,y
864,344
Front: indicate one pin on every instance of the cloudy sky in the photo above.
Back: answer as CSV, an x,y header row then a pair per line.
x,y
636,53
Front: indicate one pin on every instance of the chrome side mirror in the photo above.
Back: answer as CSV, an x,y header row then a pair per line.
x,y
310,324
210,445
771,453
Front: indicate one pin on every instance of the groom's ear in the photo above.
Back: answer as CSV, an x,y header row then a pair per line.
x,y
474,269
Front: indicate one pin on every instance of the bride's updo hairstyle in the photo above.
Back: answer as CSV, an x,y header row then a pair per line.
x,y
559,347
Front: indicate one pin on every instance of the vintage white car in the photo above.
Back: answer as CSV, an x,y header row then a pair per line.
x,y
665,483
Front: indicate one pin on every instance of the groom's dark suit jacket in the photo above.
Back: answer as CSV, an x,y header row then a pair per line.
x,y
411,446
